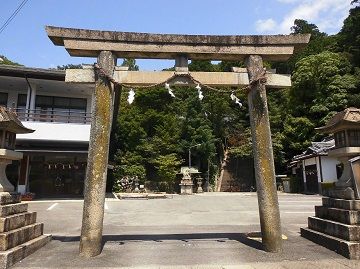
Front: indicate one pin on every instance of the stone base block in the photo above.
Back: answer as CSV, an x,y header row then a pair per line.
x,y
11,209
333,228
186,188
12,256
340,193
351,217
9,198
16,221
341,203
350,250
21,235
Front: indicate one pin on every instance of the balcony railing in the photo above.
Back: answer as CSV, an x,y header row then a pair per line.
x,y
58,116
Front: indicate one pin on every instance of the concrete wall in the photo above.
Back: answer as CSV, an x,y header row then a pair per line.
x,y
329,168
56,131
49,130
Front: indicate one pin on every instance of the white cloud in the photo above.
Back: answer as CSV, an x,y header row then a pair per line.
x,y
263,26
328,15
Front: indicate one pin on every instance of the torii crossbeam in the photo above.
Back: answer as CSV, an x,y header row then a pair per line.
x,y
107,46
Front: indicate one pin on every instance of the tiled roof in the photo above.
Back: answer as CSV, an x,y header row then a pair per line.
x,y
349,116
10,122
316,149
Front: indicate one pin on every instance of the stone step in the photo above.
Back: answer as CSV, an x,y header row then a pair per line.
x,y
21,235
9,198
333,228
13,255
11,209
345,216
341,203
16,221
350,250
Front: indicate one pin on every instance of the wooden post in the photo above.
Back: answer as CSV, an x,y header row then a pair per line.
x,y
263,158
94,191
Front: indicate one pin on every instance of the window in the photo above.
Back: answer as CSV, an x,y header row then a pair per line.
x,y
21,102
3,99
354,138
60,109
340,139
21,106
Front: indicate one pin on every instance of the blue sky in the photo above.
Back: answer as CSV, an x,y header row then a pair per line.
x,y
25,40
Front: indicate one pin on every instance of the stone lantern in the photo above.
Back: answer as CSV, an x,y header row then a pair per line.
x,y
345,126
336,224
20,234
9,127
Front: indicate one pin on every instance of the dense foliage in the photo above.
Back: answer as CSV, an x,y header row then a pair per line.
x,y
155,132
152,136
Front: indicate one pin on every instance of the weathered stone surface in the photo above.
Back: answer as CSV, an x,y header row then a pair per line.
x,y
341,203
336,229
348,249
13,255
21,235
16,221
341,215
95,183
263,159
9,198
10,209
88,43
143,78
168,51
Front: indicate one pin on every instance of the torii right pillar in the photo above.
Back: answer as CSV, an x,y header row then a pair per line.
x,y
263,157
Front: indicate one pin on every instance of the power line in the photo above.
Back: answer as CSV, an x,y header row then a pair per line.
x,y
13,15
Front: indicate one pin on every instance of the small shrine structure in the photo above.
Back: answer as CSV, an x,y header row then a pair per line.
x,y
336,224
20,234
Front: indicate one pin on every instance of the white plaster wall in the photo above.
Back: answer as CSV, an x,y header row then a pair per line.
x,y
56,131
329,168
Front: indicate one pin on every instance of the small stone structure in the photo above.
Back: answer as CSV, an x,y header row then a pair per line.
x,y
186,184
336,224
20,234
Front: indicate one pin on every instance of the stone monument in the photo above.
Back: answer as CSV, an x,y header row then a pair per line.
x,y
336,224
186,184
20,234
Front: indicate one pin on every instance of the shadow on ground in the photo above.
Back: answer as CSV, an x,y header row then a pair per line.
x,y
122,239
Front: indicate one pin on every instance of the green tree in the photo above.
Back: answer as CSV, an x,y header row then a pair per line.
x,y
349,36
4,60
323,84
131,63
319,42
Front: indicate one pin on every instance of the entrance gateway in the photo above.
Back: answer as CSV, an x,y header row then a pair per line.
x,y
107,46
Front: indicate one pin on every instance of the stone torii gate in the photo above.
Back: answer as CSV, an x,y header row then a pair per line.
x,y
108,46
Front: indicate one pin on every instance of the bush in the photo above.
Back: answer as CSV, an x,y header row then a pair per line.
x,y
127,171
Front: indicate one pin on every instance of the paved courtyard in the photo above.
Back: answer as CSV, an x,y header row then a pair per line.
x,y
212,230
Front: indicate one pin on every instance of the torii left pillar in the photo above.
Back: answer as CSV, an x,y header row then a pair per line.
x,y
263,157
96,173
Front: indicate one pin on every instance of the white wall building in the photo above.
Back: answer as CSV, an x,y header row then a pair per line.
x,y
55,154
314,166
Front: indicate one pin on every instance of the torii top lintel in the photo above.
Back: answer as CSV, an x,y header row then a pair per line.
x,y
89,43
